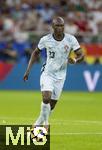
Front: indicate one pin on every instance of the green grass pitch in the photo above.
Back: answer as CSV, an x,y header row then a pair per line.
x,y
76,123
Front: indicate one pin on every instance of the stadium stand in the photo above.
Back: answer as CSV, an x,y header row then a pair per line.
x,y
23,22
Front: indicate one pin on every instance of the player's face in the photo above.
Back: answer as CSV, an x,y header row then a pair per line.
x,y
58,28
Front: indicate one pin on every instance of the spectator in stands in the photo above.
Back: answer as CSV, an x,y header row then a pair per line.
x,y
81,6
17,12
29,21
64,6
92,25
8,23
47,13
82,23
70,27
93,4
99,21
6,54
21,44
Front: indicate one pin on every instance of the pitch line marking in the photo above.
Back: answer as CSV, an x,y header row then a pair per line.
x,y
78,133
55,121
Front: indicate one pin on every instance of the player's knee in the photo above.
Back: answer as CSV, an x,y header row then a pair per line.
x,y
46,97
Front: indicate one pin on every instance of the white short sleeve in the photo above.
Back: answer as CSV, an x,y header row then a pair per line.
x,y
75,44
41,43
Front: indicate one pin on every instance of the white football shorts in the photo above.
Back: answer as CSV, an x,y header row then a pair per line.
x,y
48,83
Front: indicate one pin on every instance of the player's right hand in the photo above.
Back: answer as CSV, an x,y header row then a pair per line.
x,y
25,78
71,61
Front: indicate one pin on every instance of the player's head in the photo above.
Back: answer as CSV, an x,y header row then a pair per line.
x,y
58,25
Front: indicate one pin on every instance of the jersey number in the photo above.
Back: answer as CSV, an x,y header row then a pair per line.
x,y
51,54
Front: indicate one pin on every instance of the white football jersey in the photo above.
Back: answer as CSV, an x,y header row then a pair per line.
x,y
57,54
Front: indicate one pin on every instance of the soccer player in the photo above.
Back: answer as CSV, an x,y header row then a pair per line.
x,y
58,47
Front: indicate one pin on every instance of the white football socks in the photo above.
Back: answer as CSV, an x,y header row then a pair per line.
x,y
40,119
47,110
44,114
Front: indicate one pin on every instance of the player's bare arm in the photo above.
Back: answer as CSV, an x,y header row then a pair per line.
x,y
79,57
34,57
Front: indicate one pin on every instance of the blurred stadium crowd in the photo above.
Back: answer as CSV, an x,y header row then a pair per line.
x,y
23,22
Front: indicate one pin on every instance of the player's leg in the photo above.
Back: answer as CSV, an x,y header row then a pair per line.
x,y
46,95
58,86
45,108
53,103
46,88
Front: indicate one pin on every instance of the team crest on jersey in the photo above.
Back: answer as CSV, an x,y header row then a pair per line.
x,y
66,47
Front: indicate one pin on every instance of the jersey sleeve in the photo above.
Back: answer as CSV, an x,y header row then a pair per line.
x,y
75,44
41,43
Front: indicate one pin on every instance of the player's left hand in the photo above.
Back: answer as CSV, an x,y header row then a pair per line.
x,y
71,61
25,78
